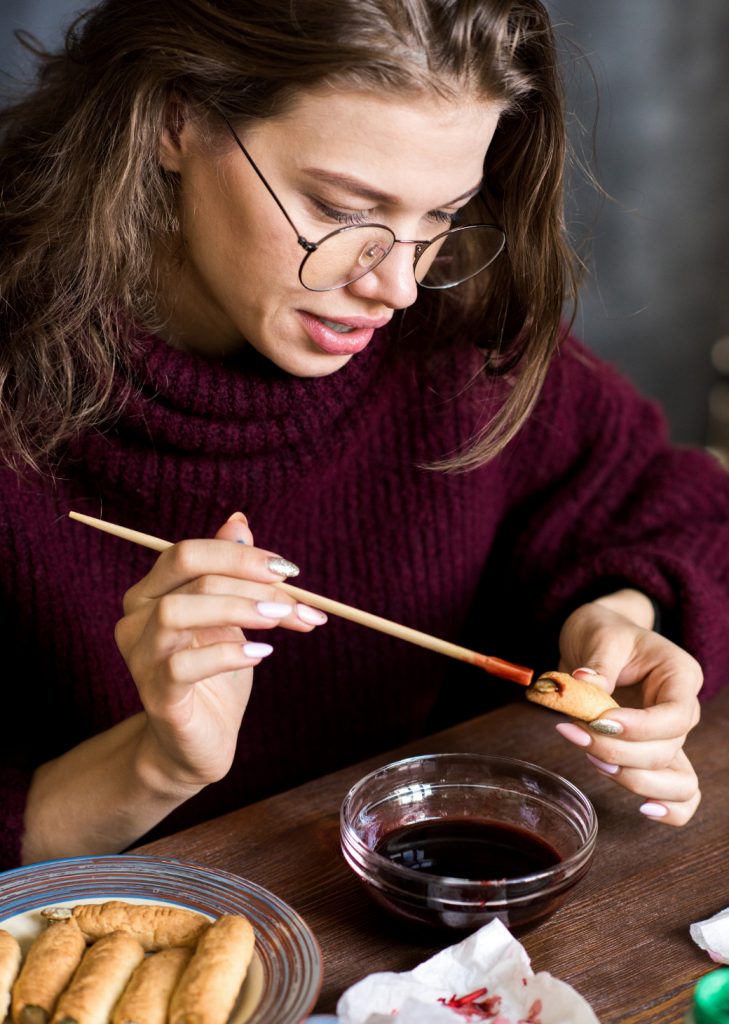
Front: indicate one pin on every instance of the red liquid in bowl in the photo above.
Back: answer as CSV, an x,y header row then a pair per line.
x,y
446,858
468,848
455,840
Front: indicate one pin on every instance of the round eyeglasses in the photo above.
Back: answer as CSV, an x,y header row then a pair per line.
x,y
345,255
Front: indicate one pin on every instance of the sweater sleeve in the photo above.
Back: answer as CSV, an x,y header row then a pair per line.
x,y
606,502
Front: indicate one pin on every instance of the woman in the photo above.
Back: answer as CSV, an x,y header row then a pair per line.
x,y
219,218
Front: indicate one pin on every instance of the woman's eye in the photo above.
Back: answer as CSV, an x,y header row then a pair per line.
x,y
342,216
443,217
354,217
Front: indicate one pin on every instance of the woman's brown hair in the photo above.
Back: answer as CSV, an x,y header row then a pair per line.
x,y
84,201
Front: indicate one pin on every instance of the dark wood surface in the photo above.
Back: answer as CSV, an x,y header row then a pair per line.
x,y
622,939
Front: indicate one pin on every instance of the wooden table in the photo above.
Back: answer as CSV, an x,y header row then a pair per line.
x,y
622,939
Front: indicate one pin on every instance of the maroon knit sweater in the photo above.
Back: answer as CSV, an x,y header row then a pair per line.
x,y
587,498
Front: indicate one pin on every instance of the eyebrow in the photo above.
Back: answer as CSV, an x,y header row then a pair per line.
x,y
358,188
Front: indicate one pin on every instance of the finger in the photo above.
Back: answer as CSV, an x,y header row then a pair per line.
x,y
672,806
613,753
665,785
670,686
671,679
676,814
650,756
175,677
671,689
673,780
222,586
180,613
189,559
236,528
598,653
301,617
672,793
670,719
674,788
153,631
193,664
591,675
671,673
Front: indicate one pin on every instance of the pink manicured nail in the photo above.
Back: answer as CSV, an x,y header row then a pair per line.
x,y
311,616
273,609
585,671
257,650
574,734
653,810
611,769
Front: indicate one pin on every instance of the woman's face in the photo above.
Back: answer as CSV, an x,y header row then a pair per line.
x,y
334,158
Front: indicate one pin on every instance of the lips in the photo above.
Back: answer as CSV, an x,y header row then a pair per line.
x,y
341,335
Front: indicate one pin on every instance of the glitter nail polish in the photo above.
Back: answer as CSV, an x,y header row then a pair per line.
x,y
282,567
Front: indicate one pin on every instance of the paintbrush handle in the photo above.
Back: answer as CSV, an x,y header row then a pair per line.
x,y
146,540
413,636
495,666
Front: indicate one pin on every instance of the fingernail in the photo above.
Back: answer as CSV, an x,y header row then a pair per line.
x,y
237,517
653,810
257,650
606,727
282,566
611,769
585,671
574,734
311,616
272,609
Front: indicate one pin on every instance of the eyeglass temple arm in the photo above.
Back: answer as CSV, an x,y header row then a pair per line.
x,y
309,246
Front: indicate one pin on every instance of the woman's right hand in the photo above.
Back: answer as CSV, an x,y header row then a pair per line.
x,y
182,637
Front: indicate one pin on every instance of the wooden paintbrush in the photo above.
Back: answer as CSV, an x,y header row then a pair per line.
x,y
495,666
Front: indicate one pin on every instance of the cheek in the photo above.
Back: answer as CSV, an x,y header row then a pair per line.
x,y
230,235
204,227
273,245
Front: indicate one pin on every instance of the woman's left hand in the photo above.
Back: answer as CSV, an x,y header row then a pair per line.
x,y
641,749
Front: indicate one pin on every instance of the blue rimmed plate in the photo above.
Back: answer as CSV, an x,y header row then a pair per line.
x,y
285,976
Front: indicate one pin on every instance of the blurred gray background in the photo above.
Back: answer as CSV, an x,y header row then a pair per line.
x,y
657,297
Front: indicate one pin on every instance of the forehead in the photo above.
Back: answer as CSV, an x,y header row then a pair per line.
x,y
399,144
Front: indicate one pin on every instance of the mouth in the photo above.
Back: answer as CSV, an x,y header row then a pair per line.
x,y
341,336
335,325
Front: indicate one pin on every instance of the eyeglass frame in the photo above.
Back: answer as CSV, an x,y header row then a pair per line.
x,y
421,245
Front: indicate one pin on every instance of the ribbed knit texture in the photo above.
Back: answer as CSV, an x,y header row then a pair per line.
x,y
588,497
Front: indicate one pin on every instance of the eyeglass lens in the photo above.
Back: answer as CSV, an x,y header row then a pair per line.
x,y
453,257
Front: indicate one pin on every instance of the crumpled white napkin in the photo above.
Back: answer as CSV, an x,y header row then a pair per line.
x,y
489,959
713,936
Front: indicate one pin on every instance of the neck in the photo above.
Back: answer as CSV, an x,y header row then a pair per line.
x,y
187,321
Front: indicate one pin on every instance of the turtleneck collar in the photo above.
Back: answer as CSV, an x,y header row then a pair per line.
x,y
192,403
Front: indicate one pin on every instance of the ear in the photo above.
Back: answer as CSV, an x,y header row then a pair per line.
x,y
173,138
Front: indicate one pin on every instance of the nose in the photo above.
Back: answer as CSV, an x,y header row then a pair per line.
x,y
392,282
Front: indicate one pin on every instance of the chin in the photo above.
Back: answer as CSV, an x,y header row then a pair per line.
x,y
323,367
306,364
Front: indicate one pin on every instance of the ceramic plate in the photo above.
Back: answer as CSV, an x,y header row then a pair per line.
x,y
285,975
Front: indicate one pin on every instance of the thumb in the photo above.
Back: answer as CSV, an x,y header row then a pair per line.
x,y
595,662
235,528
595,645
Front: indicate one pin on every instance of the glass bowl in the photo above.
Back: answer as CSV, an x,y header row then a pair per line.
x,y
455,840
